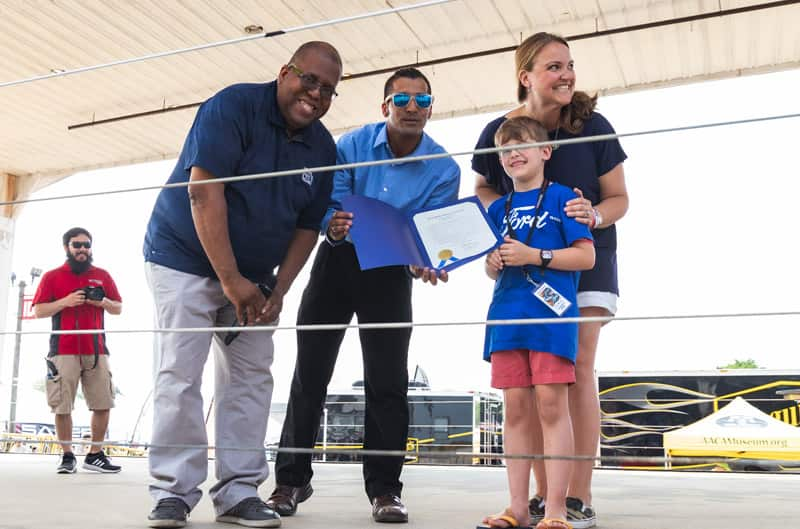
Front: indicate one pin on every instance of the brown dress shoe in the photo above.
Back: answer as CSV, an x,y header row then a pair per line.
x,y
284,498
389,508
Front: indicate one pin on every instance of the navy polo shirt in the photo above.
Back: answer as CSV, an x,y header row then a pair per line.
x,y
576,165
241,131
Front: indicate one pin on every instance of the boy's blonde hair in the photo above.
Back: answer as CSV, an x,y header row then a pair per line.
x,y
521,128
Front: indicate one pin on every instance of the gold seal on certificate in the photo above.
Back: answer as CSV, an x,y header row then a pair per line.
x,y
445,256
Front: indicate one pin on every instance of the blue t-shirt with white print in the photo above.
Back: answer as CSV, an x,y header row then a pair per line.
x,y
574,165
513,295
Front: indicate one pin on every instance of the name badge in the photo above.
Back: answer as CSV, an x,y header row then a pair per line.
x,y
550,297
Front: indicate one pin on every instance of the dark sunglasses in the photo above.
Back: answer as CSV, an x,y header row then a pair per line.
x,y
311,82
80,244
402,99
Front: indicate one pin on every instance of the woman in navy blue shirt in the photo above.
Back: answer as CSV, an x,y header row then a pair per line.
x,y
546,92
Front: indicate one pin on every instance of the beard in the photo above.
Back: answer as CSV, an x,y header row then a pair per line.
x,y
78,267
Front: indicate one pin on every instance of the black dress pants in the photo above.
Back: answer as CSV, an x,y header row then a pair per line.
x,y
336,290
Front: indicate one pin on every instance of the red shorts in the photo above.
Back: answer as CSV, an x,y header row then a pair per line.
x,y
522,368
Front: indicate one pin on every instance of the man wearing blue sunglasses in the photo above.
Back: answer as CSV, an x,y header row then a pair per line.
x,y
338,289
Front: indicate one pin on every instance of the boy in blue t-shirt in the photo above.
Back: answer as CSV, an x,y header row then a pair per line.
x,y
536,273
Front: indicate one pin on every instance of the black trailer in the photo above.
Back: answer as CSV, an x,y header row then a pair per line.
x,y
441,423
638,408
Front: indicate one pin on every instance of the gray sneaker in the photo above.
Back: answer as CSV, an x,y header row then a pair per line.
x,y
168,512
251,512
68,464
580,516
536,510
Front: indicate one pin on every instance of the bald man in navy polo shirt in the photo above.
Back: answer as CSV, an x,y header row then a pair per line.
x,y
211,257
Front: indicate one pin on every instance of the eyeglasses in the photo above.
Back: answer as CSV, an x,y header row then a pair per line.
x,y
514,148
401,99
80,244
523,146
311,82
508,153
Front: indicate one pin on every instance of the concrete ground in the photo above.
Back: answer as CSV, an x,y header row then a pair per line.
x,y
33,496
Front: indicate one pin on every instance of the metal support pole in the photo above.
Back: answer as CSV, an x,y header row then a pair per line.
x,y
325,434
12,414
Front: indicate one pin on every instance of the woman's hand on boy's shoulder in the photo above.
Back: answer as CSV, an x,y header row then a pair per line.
x,y
581,209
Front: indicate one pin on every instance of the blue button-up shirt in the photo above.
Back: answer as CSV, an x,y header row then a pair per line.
x,y
406,186
241,131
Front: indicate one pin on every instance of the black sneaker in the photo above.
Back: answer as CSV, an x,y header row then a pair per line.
x,y
98,462
168,512
579,515
536,509
251,512
68,464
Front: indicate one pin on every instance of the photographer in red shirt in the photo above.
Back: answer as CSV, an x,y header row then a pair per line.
x,y
76,296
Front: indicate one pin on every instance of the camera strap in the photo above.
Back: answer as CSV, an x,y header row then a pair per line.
x,y
52,370
95,336
96,349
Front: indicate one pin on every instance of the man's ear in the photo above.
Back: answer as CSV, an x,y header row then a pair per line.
x,y
385,109
282,73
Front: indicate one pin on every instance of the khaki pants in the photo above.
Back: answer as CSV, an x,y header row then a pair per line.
x,y
242,396
98,389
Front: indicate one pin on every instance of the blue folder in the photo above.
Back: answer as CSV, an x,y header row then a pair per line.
x,y
385,236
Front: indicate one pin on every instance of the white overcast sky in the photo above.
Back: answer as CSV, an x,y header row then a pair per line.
x,y
711,228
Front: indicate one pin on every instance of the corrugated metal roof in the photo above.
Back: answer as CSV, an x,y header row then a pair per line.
x,y
618,45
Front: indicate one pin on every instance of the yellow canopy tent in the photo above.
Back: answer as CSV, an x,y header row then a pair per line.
x,y
738,430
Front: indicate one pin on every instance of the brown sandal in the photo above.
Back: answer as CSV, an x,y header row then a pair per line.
x,y
506,516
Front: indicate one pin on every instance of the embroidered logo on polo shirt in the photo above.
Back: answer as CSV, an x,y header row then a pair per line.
x,y
308,177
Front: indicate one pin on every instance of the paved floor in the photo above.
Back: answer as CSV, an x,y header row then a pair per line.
x,y
33,496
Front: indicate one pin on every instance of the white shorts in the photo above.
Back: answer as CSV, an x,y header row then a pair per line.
x,y
593,298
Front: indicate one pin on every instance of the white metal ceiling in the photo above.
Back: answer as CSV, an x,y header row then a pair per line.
x,y
619,45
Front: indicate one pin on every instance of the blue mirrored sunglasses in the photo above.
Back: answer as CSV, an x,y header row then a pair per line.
x,y
402,99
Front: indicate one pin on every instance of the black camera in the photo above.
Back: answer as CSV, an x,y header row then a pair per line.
x,y
94,293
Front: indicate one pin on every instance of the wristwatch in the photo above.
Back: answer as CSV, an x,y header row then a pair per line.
x,y
547,256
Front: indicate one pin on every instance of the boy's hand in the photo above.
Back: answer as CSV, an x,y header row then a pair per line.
x,y
516,253
494,261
